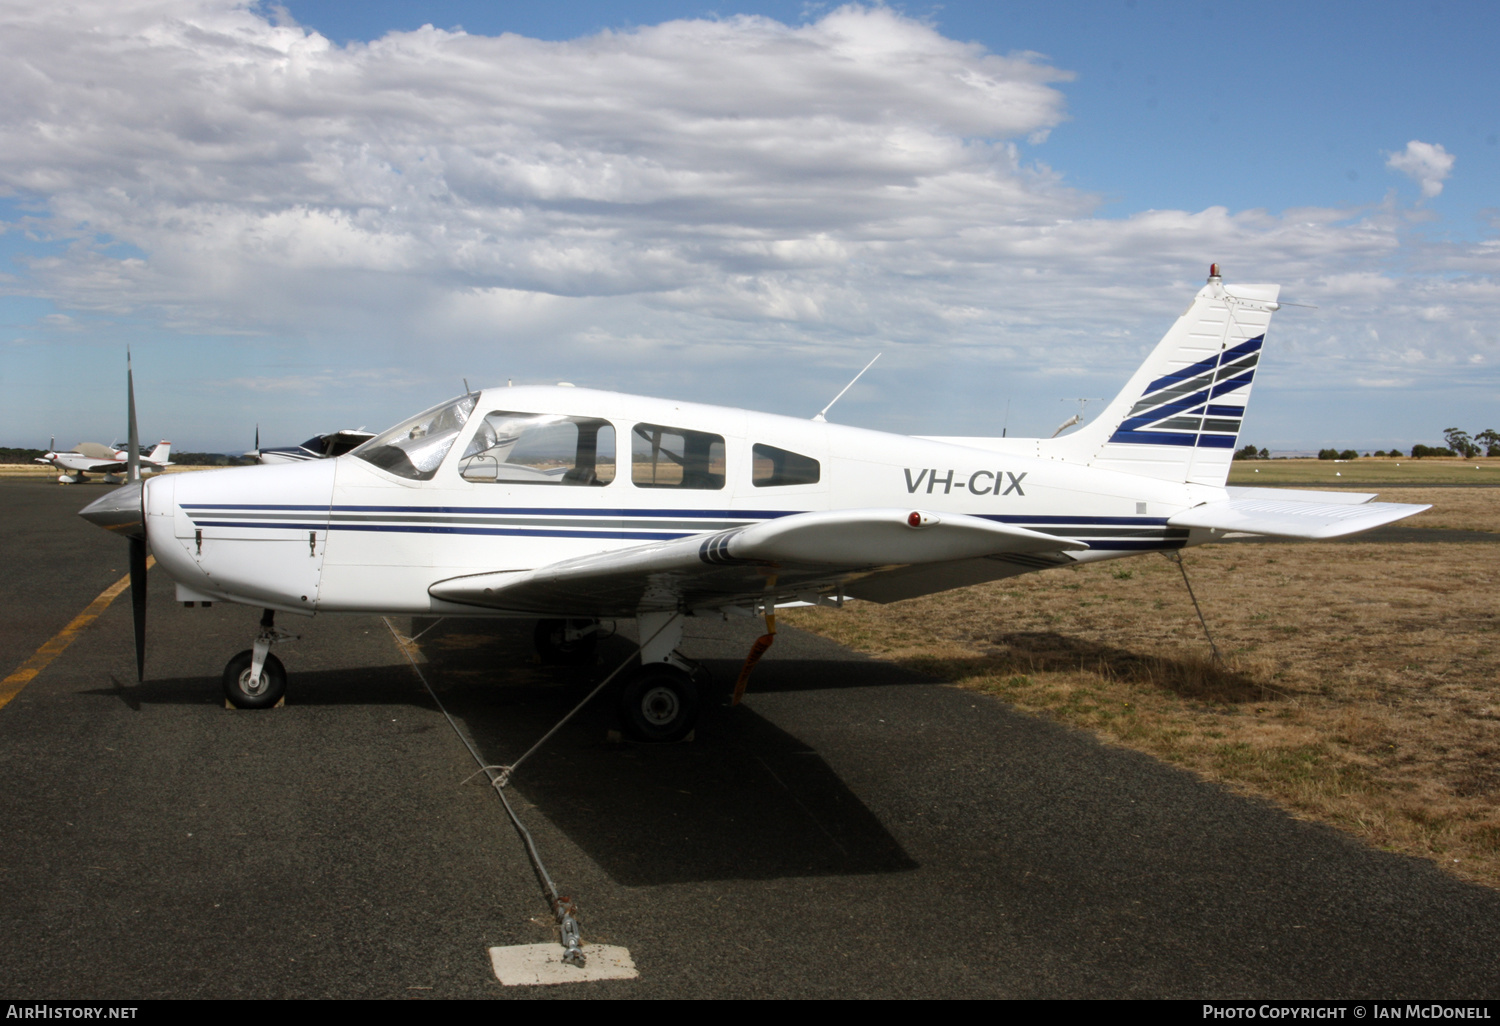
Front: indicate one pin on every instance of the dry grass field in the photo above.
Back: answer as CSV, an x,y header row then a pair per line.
x,y
1360,683
1378,471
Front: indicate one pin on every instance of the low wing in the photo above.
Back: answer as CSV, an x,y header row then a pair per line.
x,y
1331,515
806,553
85,464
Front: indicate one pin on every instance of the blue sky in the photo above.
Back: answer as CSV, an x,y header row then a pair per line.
x,y
328,218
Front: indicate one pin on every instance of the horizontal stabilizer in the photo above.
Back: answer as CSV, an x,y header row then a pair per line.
x,y
1300,495
804,551
1289,518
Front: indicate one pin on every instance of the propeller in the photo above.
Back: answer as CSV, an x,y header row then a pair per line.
x,y
137,543
124,511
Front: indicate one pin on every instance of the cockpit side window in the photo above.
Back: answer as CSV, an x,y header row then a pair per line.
x,y
540,449
771,467
414,449
668,457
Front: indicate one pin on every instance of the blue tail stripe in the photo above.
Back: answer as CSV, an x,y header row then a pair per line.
x,y
1203,366
1163,412
1152,438
1232,384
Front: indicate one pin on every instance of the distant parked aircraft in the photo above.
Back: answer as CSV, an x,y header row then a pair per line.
x,y
318,447
93,458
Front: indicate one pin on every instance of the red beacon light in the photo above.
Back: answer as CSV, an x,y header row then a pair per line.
x,y
1213,272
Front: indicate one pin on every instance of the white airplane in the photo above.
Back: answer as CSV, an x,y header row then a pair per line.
x,y
93,458
575,506
318,447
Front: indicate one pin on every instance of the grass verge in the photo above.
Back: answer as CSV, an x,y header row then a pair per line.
x,y
1358,687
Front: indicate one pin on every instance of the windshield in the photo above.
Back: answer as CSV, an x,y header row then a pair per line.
x,y
415,448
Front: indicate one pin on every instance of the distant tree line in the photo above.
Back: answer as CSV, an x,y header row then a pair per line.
x,y
209,459
20,455
1460,443
1487,441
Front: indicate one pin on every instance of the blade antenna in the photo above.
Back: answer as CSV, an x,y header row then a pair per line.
x,y
822,414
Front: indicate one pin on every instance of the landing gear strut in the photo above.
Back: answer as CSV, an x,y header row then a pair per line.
x,y
659,702
255,679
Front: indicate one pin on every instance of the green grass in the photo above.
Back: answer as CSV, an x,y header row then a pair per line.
x,y
1374,471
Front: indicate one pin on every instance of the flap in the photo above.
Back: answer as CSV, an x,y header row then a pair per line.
x,y
1285,518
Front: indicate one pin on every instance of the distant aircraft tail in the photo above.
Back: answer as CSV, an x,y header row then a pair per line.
x,y
161,455
1179,417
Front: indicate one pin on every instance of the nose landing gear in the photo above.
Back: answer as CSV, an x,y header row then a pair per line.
x,y
255,679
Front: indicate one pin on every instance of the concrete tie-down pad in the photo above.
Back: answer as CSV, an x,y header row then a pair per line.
x,y
533,965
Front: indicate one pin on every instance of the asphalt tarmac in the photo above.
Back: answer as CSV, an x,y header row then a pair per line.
x,y
850,831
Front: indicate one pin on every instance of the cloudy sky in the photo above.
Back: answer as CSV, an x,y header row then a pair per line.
x,y
325,215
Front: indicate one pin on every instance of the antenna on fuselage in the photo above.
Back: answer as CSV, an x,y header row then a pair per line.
x,y
821,415
1077,418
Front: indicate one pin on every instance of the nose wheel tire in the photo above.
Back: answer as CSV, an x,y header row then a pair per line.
x,y
261,694
660,704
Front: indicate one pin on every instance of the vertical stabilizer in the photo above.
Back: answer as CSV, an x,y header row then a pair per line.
x,y
1179,417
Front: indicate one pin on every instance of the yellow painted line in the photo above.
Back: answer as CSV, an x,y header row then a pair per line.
x,y
11,686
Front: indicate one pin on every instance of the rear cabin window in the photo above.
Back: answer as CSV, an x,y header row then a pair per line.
x,y
771,467
540,449
668,457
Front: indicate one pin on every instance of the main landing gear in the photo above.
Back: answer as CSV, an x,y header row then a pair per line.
x,y
255,679
659,703
658,700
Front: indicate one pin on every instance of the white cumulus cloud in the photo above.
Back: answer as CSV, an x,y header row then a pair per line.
x,y
1427,164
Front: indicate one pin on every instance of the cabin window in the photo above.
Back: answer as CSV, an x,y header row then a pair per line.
x,y
414,449
540,449
771,467
668,457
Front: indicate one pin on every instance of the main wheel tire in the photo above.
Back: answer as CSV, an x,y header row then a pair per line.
x,y
263,694
660,703
552,644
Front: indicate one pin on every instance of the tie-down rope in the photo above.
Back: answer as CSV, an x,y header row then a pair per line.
x,y
563,909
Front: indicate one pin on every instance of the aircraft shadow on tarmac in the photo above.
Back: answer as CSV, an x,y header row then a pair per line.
x,y
742,800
